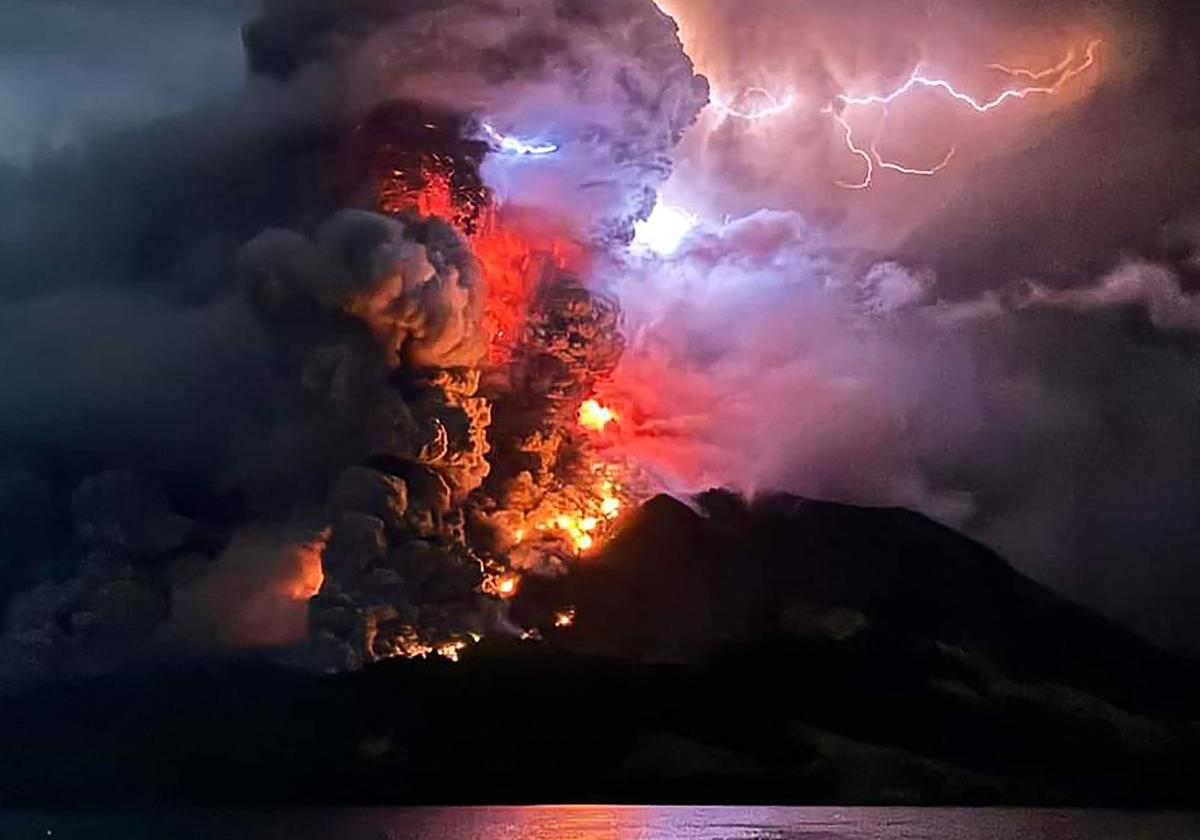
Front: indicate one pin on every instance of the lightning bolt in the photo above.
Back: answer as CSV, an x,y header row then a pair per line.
x,y
1044,82
854,150
1038,75
873,159
773,105
908,170
515,145
917,80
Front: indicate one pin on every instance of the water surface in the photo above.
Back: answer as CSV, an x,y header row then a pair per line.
x,y
610,823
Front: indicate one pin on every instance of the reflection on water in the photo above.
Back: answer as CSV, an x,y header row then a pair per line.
x,y
611,823
766,823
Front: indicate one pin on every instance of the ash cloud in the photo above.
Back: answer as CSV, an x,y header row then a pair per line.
x,y
604,83
199,336
73,71
262,582
1008,346
1056,425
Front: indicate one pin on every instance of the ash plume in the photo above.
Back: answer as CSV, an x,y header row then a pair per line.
x,y
604,83
233,368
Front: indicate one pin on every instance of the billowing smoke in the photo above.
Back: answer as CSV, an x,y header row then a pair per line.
x,y
757,359
255,594
245,415
602,84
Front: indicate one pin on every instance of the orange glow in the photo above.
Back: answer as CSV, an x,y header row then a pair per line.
x,y
564,618
437,199
593,415
428,188
502,586
518,256
578,528
309,576
409,644
516,259
515,254
451,650
590,519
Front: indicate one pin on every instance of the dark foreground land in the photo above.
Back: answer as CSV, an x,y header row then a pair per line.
x,y
785,651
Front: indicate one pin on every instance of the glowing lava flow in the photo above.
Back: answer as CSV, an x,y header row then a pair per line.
x,y
565,618
594,416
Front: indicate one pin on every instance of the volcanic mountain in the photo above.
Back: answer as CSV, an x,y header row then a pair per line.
x,y
776,649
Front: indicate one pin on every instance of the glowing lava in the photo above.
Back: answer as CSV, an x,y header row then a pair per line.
x,y
309,574
515,259
594,416
557,499
564,618
583,516
502,586
579,529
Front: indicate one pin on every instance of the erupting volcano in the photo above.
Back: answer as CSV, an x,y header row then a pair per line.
x,y
481,279
687,368
539,492
497,434
493,329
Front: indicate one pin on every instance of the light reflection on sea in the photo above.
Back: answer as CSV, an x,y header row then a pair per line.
x,y
588,822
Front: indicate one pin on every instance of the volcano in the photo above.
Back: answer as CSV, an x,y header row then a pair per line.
x,y
357,425
778,649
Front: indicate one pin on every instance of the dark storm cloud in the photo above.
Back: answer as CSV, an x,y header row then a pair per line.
x,y
79,373
1091,482
135,160
123,331
73,69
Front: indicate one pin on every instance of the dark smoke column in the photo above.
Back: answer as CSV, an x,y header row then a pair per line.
x,y
606,82
609,86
